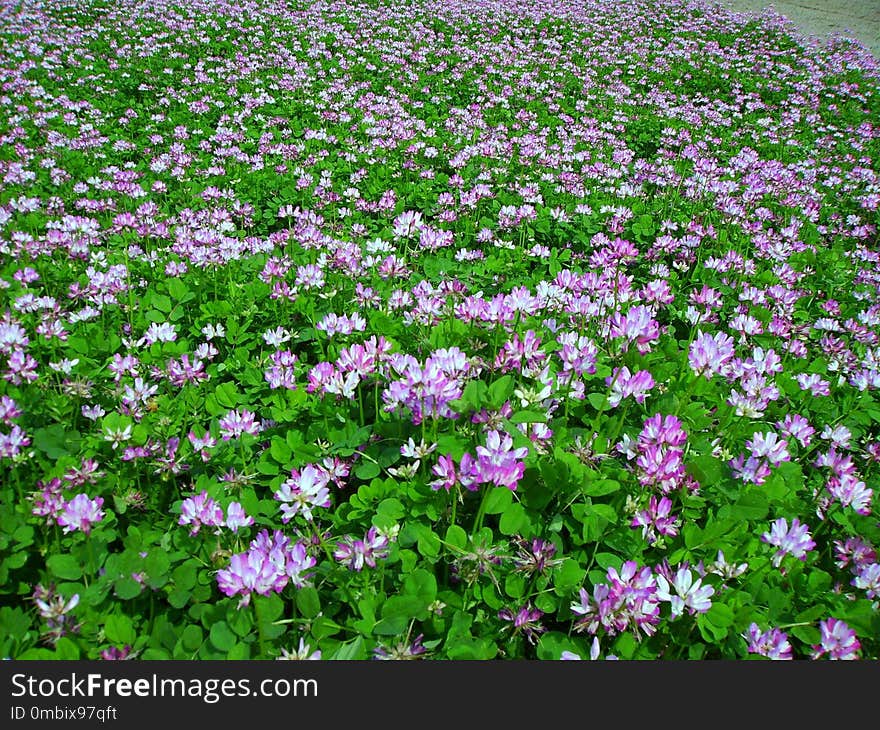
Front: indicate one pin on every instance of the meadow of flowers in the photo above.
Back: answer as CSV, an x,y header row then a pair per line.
x,y
380,329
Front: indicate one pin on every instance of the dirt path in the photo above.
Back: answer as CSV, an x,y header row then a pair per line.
x,y
859,19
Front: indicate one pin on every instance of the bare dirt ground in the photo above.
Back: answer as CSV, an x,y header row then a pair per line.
x,y
859,19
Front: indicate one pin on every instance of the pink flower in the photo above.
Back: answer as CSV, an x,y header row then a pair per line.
x,y
200,510
80,513
304,490
710,355
235,423
772,643
236,517
795,541
838,641
499,463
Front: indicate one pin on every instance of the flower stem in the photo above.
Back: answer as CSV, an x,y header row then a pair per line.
x,y
478,521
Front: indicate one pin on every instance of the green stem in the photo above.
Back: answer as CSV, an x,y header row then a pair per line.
x,y
478,521
260,633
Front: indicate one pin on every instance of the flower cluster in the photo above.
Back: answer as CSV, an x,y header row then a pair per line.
x,y
269,564
628,601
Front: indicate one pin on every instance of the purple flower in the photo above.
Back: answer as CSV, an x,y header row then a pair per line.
x,y
535,556
623,384
868,579
795,541
444,470
303,491
13,442
797,427
8,410
526,620
156,332
628,601
200,510
269,564
851,491
656,520
403,650
637,325
115,653
80,513
55,609
303,653
235,423
426,391
838,641
499,463
357,553
772,643
856,551
251,572
768,446
711,355
236,517
660,456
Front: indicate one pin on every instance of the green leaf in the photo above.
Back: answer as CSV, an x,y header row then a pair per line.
x,y
55,442
367,470
64,566
428,542
692,536
716,621
751,505
819,581
191,638
391,509
512,519
606,512
421,584
568,575
66,650
222,637
308,602
608,560
160,302
127,588
500,391
499,499
469,648
184,575
475,394
351,650
553,643
226,395
239,651
601,487
707,470
456,537
157,564
280,451
599,401
118,629
528,417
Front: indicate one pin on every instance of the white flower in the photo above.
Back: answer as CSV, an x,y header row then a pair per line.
x,y
688,593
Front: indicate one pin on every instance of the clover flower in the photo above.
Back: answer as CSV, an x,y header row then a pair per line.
x,y
80,513
794,540
772,643
269,564
683,592
838,641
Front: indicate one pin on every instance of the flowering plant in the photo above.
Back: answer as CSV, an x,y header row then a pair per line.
x,y
407,330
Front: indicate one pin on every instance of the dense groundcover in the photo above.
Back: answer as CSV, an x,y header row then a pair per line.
x,y
516,329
